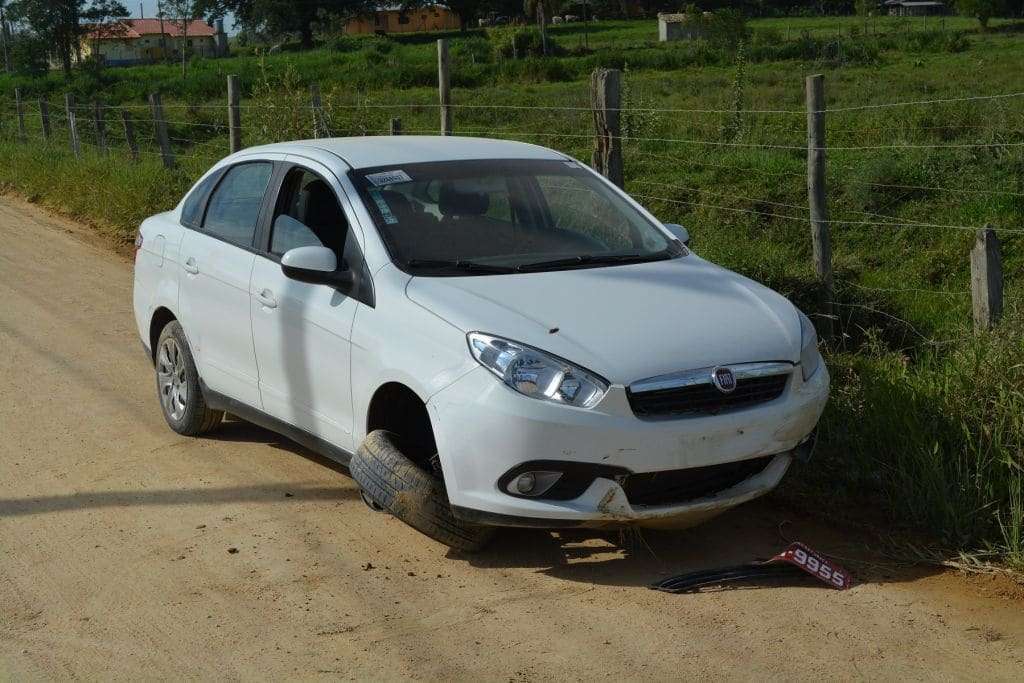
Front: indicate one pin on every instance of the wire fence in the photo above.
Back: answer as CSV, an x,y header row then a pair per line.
x,y
691,175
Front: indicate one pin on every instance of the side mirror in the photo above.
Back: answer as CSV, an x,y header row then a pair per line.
x,y
681,233
316,266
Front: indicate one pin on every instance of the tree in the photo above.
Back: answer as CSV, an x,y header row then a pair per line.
x,y
5,37
102,18
182,13
60,24
982,10
468,10
286,16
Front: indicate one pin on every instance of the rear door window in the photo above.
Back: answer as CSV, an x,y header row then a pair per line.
x,y
234,206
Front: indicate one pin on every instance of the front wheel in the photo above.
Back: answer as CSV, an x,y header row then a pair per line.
x,y
410,493
177,384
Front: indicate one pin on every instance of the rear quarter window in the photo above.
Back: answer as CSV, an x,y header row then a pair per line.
x,y
192,209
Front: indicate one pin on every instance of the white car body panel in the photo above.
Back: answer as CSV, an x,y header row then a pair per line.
x,y
678,308
316,359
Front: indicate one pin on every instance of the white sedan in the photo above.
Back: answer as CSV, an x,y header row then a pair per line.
x,y
487,332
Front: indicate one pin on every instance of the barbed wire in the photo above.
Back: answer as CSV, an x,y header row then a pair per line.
x,y
894,223
969,98
918,290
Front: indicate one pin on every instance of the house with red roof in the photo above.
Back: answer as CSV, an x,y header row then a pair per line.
x,y
141,41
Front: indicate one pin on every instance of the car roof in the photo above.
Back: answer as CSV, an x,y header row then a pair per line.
x,y
389,150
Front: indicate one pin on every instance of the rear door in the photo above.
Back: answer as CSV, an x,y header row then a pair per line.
x,y
217,262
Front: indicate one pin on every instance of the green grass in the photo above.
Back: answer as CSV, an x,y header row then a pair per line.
x,y
926,421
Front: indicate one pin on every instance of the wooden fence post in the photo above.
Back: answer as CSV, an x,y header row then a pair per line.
x,y
542,23
44,118
101,126
69,110
320,129
160,127
129,134
19,106
234,114
396,126
816,195
444,86
606,100
986,279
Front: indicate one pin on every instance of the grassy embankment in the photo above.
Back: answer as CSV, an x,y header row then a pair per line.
x,y
927,419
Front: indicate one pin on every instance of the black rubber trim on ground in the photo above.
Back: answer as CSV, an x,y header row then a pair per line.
x,y
411,494
693,582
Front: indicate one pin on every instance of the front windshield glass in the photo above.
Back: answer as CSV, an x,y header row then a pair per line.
x,y
495,216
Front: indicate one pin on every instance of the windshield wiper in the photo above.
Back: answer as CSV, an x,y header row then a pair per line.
x,y
585,260
460,266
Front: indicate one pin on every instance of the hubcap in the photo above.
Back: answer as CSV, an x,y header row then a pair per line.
x,y
170,377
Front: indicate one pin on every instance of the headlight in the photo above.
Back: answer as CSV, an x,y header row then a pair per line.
x,y
810,358
537,374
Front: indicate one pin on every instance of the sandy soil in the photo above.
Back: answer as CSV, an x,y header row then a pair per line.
x,y
127,551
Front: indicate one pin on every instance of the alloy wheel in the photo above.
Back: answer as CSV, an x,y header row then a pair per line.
x,y
171,380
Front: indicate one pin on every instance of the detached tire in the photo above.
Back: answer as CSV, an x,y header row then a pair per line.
x,y
411,494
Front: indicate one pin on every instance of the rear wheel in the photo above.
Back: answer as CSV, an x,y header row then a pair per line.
x,y
177,383
410,493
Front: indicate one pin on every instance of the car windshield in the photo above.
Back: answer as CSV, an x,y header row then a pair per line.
x,y
503,216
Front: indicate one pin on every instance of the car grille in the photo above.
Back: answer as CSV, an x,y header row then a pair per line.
x,y
678,486
705,398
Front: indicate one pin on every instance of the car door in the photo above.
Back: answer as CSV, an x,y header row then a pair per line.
x,y
301,331
217,261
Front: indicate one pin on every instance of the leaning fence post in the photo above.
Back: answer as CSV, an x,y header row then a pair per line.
x,y
816,196
44,118
129,134
605,100
396,126
69,107
160,126
319,120
986,279
101,126
444,86
20,108
234,115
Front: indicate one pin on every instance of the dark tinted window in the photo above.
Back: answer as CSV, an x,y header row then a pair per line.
x,y
505,214
192,209
234,206
308,214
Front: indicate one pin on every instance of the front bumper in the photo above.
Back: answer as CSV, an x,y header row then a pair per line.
x,y
483,429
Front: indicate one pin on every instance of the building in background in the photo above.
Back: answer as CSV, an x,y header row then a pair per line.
x,y
914,8
143,41
394,19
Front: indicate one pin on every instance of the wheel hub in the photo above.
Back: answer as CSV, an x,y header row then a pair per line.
x,y
171,379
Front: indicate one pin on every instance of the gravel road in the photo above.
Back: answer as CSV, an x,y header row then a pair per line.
x,y
129,552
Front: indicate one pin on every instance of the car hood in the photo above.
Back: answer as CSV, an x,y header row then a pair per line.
x,y
624,322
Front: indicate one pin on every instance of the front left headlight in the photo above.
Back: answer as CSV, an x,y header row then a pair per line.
x,y
810,357
536,374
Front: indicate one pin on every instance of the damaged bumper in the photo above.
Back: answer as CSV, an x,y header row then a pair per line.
x,y
619,470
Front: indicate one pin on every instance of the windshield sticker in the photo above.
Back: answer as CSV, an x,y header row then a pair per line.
x,y
382,206
571,164
389,178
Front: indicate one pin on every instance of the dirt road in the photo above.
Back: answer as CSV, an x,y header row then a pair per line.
x,y
127,551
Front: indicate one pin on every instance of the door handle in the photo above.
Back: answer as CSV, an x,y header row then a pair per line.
x,y
266,297
190,266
